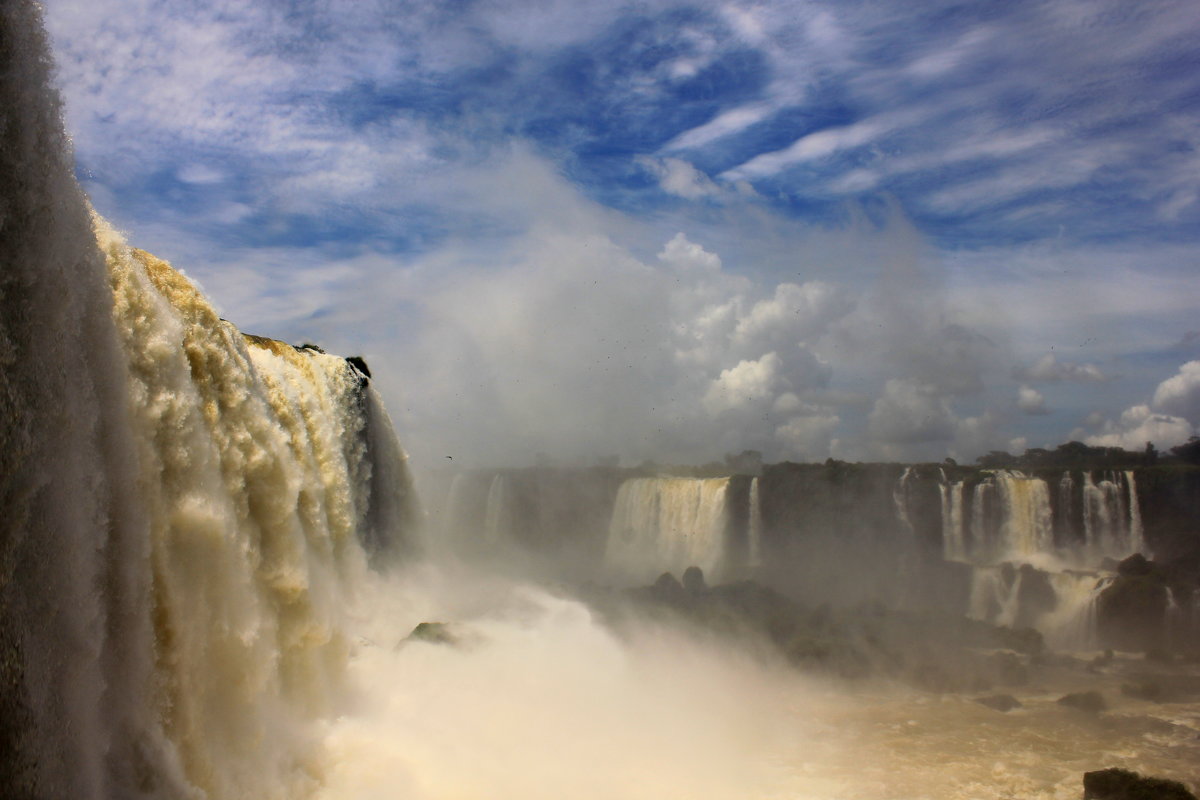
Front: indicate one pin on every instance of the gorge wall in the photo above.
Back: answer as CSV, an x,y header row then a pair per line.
x,y
1041,548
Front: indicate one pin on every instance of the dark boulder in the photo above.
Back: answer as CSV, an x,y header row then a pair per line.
x,y
1035,596
1131,614
667,589
1121,784
999,702
693,580
431,632
1136,564
1091,702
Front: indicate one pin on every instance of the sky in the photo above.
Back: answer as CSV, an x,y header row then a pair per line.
x,y
574,229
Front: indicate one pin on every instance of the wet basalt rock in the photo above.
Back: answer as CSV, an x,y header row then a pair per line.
x,y
1122,784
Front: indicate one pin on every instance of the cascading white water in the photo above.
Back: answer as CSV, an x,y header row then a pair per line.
x,y
1137,536
900,498
1024,533
497,514
1112,517
994,596
954,545
667,524
188,511
754,527
1072,623
1028,528
980,497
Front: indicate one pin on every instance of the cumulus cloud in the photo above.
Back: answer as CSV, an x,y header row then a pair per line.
x,y
911,412
1138,425
1049,369
1180,394
1031,401
744,384
808,436
1169,421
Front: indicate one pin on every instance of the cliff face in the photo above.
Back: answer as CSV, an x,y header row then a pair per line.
x,y
1019,548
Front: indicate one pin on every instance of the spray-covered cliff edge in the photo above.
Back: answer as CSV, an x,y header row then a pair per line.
x,y
187,510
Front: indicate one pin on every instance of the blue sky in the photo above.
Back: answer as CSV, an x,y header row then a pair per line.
x,y
872,230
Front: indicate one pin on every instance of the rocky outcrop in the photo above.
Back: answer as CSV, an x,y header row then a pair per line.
x,y
1122,784
1131,613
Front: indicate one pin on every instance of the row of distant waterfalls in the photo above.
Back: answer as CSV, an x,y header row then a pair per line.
x,y
1029,550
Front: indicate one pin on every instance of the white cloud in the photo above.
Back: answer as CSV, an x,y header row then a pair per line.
x,y
1180,394
816,145
1049,369
911,412
725,124
679,178
1031,401
748,382
1139,425
808,437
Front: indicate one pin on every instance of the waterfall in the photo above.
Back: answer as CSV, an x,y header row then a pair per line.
x,y
1112,518
754,529
1028,528
980,497
1072,623
994,595
954,546
188,510
900,498
667,524
1137,536
497,514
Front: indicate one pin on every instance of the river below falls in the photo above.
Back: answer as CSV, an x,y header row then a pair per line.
x,y
537,699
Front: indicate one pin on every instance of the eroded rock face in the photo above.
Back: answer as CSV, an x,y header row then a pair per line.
x,y
1121,784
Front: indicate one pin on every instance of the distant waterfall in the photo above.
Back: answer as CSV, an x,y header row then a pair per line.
x,y
754,528
498,513
187,510
1028,527
1012,519
1112,518
900,499
1072,624
994,595
954,545
980,498
667,524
